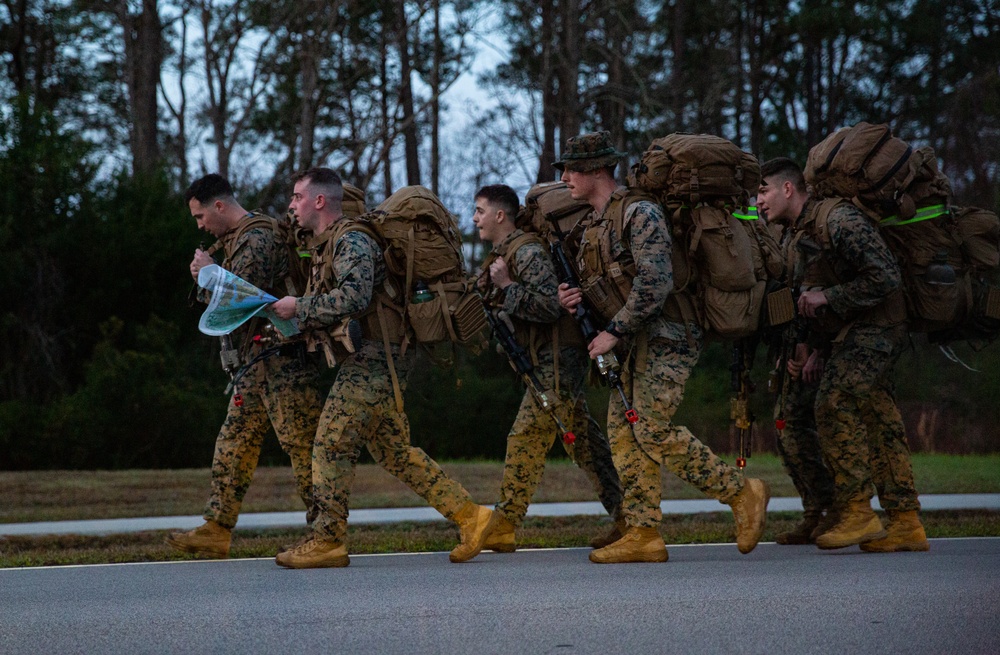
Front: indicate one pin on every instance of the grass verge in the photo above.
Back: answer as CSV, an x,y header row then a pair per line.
x,y
542,532
80,495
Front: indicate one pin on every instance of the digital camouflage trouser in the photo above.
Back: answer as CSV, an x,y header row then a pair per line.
x,y
279,391
798,445
640,450
860,428
531,436
360,410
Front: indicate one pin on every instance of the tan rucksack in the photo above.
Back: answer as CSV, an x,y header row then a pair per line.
x,y
979,231
422,247
865,164
922,232
945,257
723,255
690,167
550,205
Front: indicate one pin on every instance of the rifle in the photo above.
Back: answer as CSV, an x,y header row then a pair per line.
x,y
607,364
348,333
521,362
739,406
796,333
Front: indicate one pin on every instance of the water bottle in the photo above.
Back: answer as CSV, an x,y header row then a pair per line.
x,y
421,293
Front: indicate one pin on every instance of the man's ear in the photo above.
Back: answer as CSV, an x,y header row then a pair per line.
x,y
788,188
320,201
219,206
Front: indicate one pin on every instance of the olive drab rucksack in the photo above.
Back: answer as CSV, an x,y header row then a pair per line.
x,y
724,256
949,280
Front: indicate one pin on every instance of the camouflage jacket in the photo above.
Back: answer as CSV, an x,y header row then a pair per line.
x,y
258,257
357,270
533,292
863,272
646,236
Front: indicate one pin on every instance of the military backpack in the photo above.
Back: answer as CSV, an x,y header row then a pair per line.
x,y
947,258
723,256
423,255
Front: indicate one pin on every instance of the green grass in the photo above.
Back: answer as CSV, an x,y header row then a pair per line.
x,y
70,495
80,495
436,536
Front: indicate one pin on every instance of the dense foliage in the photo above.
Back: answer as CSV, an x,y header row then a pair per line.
x,y
109,108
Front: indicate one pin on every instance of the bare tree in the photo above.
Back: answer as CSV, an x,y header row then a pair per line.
x,y
234,81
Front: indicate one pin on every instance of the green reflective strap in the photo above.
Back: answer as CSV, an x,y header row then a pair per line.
x,y
303,254
750,215
923,214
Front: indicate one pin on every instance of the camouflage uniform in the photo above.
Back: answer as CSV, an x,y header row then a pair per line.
x,y
532,303
860,428
280,391
360,409
661,356
798,444
799,448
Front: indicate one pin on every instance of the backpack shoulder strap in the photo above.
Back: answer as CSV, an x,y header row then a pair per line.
x,y
510,251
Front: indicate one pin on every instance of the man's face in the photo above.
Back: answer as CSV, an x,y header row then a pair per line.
x,y
773,198
580,184
486,217
209,216
303,205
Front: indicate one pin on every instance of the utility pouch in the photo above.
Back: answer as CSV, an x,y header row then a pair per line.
x,y
780,307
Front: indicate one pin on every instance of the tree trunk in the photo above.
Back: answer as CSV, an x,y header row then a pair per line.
x,y
677,69
180,111
307,116
384,105
406,97
569,68
436,99
143,58
549,94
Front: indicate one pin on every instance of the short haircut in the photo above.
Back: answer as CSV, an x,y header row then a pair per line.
x,y
785,170
325,182
208,188
502,197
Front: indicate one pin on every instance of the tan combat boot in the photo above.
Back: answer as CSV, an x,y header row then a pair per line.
x,y
906,533
830,519
207,540
314,554
473,526
295,544
501,535
858,524
610,537
801,533
638,545
750,513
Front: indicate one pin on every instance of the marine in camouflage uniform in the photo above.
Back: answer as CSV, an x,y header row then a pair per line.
x,y
361,408
860,428
279,391
802,457
783,198
660,356
529,298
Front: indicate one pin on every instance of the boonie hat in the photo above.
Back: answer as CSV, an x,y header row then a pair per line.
x,y
589,152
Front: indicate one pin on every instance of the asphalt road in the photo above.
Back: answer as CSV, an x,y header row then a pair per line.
x,y
706,599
